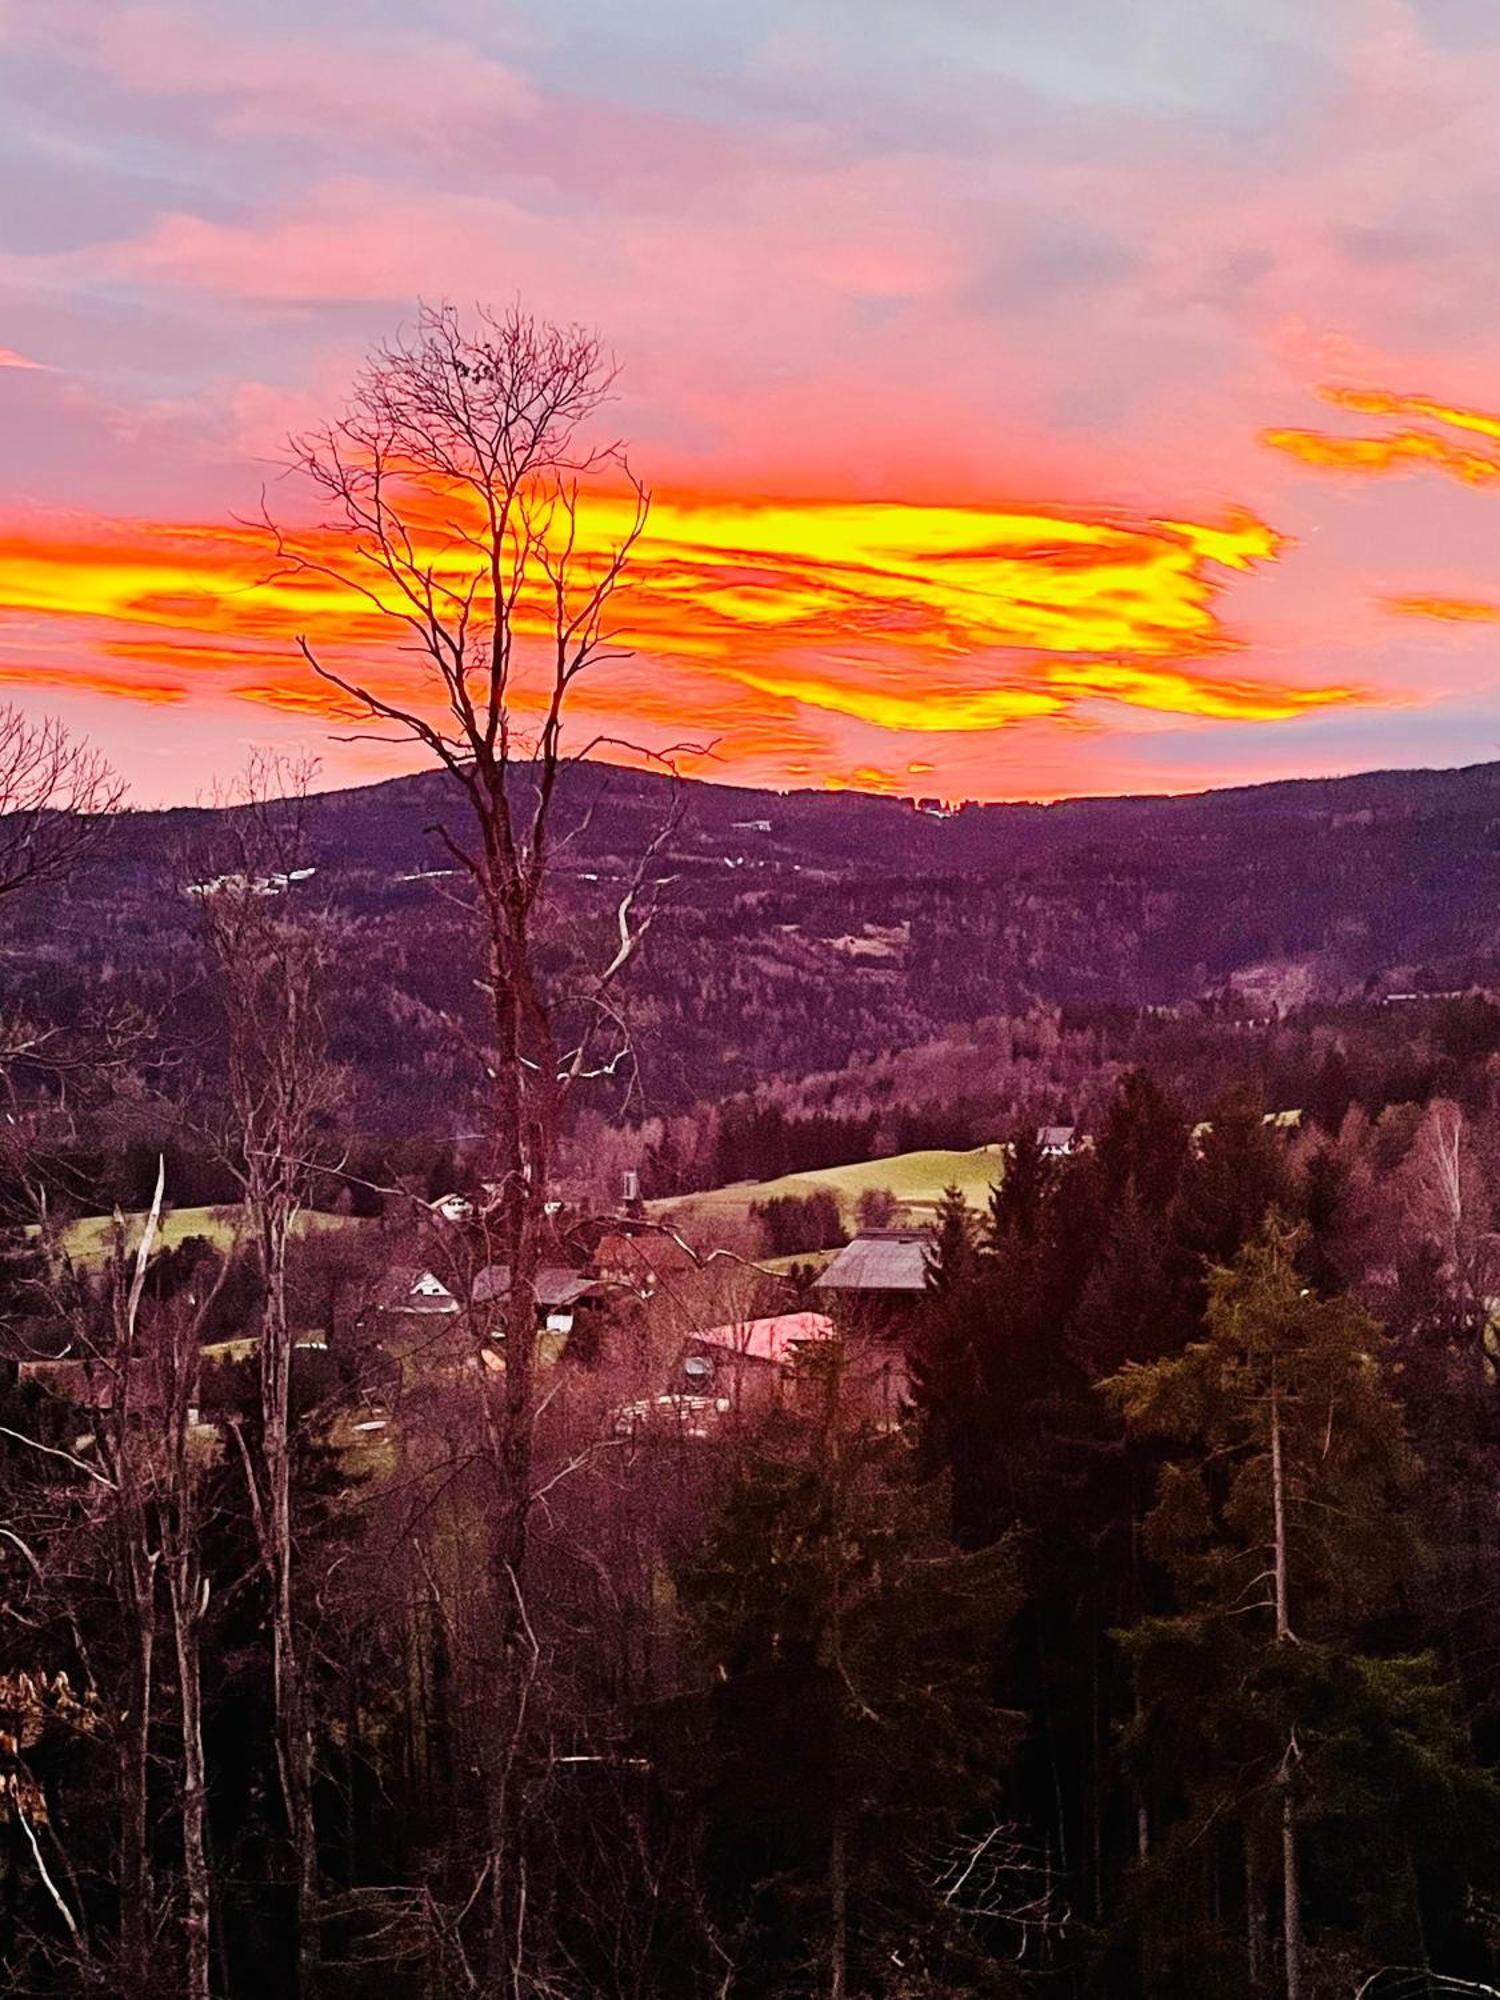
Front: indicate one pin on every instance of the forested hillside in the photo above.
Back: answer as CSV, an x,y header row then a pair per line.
x,y
797,931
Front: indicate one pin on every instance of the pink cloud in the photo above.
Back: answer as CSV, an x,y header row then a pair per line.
x,y
402,86
1102,309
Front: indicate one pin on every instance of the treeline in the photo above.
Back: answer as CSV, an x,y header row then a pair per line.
x,y
1062,1067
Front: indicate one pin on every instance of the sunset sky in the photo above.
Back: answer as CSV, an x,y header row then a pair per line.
x,y
1038,397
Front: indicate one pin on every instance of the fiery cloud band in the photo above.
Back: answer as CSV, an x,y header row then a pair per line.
x,y
910,618
1334,451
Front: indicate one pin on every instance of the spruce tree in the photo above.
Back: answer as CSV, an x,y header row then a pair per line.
x,y
854,1745
1302,1786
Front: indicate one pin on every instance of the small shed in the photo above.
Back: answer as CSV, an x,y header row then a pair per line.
x,y
561,1294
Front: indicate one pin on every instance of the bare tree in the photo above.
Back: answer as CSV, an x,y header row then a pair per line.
x,y
453,485
154,1458
58,800
57,797
186,1450
130,1517
282,1090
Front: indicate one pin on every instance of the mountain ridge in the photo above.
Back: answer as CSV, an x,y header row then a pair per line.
x,y
804,929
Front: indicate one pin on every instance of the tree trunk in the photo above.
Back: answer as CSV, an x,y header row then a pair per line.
x,y
838,1894
1290,1886
294,1753
525,1139
1255,1919
1278,1512
1291,1890
137,1599
194,1789
136,1888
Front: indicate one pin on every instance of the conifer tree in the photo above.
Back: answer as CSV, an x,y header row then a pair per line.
x,y
1297,1780
855,1746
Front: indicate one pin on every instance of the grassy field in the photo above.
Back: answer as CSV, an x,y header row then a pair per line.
x,y
916,1179
88,1240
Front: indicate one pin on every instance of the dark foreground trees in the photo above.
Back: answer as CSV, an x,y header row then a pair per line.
x,y
1319,1786
856,1840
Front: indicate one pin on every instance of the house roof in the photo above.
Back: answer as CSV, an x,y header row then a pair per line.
x,y
556,1284
1054,1135
653,1252
776,1339
408,1289
892,1260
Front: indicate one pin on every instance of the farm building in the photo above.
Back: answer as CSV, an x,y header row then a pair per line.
x,y
889,1264
560,1293
767,1343
745,1366
644,1261
407,1290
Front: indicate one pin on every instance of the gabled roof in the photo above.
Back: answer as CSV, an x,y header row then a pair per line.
x,y
1056,1137
408,1289
651,1253
556,1284
776,1339
893,1260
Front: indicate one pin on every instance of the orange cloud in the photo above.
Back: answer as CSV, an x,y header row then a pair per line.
x,y
86,681
865,778
1334,452
1383,403
1454,610
911,618
303,697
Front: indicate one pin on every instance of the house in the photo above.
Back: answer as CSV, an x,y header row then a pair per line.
x,y
421,1295
746,1365
409,1290
644,1262
559,1290
453,1208
777,1342
1057,1142
879,1264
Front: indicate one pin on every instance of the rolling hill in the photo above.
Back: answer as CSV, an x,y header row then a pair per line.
x,y
801,930
917,1180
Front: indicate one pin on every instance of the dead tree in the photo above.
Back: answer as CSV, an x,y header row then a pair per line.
x,y
282,1090
58,801
186,1450
57,798
134,1506
455,511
